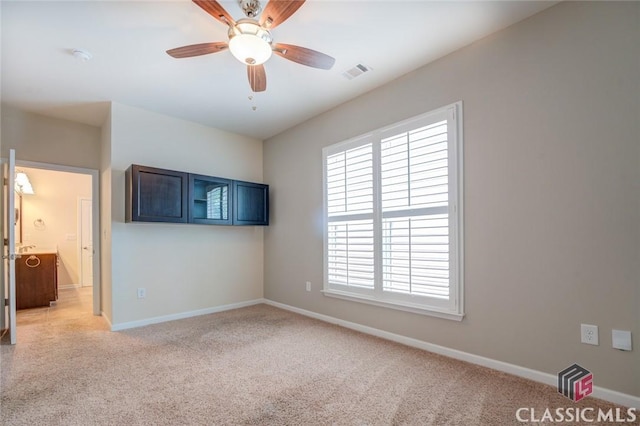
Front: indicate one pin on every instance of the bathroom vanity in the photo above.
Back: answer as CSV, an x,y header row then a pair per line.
x,y
36,279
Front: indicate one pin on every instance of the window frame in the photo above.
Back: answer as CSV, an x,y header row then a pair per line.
x,y
453,308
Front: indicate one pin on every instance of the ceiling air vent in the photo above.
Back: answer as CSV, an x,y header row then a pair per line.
x,y
356,71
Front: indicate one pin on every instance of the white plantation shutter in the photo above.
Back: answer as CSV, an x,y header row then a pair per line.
x,y
350,181
217,202
414,193
416,256
415,168
351,253
393,216
349,192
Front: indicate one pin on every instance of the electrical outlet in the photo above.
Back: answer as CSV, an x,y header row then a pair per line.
x,y
308,285
142,293
589,334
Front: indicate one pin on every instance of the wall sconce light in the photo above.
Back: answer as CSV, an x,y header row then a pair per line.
x,y
23,186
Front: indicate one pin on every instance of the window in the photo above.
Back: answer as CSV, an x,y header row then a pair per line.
x,y
393,215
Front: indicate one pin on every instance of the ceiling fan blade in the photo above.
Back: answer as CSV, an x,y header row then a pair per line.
x,y
213,8
304,56
197,49
278,11
257,77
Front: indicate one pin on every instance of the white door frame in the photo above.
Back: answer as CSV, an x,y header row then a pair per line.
x,y
9,254
95,212
80,245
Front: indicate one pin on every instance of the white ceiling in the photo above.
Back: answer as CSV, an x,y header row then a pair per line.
x,y
128,40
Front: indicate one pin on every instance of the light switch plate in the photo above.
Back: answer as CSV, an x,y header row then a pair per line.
x,y
621,339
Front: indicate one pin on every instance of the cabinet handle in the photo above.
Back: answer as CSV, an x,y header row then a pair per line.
x,y
32,265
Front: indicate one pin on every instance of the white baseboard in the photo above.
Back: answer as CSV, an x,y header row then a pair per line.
x,y
516,370
106,318
69,286
182,315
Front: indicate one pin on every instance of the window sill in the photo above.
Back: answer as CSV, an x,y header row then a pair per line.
x,y
407,307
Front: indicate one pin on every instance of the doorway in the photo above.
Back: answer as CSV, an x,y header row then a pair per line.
x,y
62,216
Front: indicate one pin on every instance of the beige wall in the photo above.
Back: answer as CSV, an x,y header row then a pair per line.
x,y
552,202
183,267
55,204
49,140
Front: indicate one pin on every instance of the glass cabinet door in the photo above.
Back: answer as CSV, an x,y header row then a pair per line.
x,y
210,200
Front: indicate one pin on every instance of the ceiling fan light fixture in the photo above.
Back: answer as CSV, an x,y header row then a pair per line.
x,y
249,42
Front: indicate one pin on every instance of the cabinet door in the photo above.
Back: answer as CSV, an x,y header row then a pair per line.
x,y
36,281
251,203
156,195
210,200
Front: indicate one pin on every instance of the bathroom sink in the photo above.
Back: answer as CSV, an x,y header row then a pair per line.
x,y
36,250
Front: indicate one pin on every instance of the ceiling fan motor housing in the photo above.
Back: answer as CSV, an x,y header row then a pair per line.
x,y
251,8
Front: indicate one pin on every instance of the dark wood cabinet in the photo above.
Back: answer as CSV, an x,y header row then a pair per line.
x,y
210,200
251,203
156,195
36,280
159,195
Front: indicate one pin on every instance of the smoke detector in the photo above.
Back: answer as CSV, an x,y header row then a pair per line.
x,y
81,55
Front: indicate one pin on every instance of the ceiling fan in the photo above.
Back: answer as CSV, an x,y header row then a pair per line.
x,y
250,40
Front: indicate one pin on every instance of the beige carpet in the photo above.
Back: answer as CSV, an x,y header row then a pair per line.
x,y
251,366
